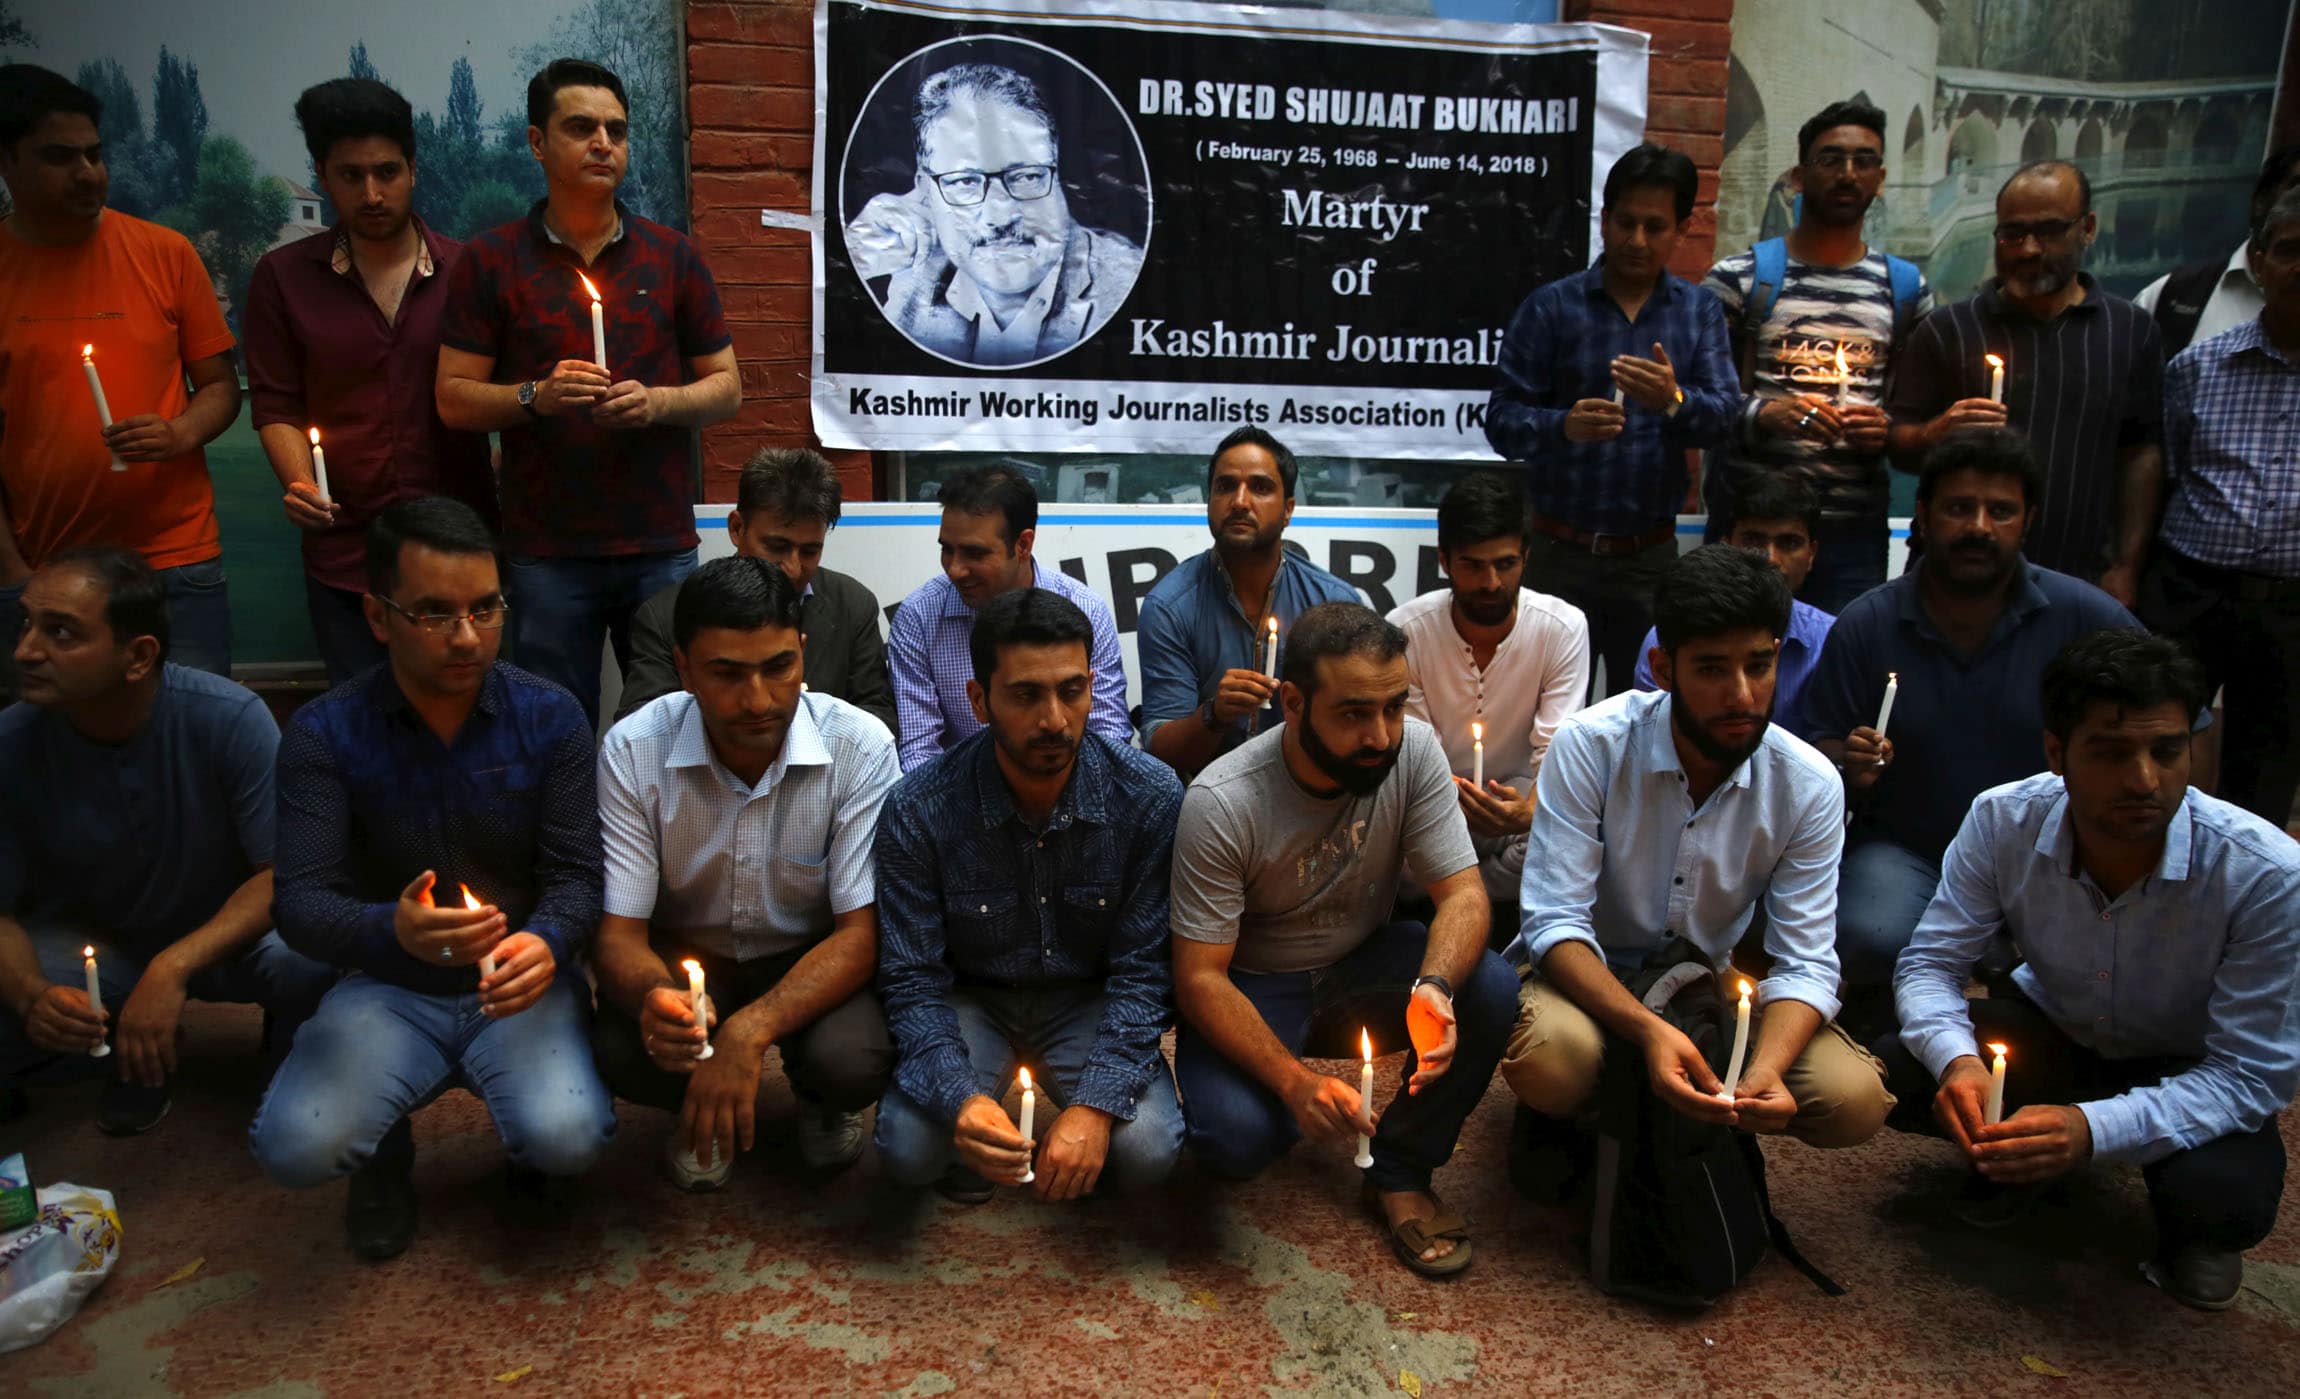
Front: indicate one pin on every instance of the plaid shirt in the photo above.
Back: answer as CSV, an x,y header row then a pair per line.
x,y
2229,453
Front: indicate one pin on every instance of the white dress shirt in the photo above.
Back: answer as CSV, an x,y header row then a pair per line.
x,y
2235,299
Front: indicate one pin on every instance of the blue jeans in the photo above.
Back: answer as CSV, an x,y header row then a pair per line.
x,y
270,974
1882,890
199,616
346,644
1054,1028
564,610
376,1052
1237,1127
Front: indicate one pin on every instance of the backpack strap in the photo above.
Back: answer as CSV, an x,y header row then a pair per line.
x,y
1769,269
2180,303
1778,1232
1908,289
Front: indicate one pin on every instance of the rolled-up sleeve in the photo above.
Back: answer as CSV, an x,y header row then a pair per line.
x,y
1801,905
1566,848
1169,680
1965,913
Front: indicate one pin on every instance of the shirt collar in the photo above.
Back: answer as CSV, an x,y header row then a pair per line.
x,y
1661,745
803,745
339,252
2056,839
955,606
2251,338
1993,300
540,227
966,299
2027,597
1084,797
385,696
1593,284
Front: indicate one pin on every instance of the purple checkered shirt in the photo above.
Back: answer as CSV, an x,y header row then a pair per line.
x,y
2231,454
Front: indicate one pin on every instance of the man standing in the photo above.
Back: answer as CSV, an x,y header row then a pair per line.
x,y
1818,318
83,285
1202,638
2151,1018
439,838
1603,430
597,479
737,816
139,821
2083,378
1025,878
2195,302
1963,638
1286,866
786,505
2227,579
1485,651
343,339
989,523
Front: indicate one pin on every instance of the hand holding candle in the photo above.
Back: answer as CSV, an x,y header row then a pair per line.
x,y
1740,1055
96,1001
1996,1108
486,959
598,326
1996,379
697,1005
103,406
1365,1156
319,473
1029,1116
1892,692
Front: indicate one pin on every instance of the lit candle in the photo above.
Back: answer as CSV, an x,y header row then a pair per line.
x,y
1029,1112
96,999
1885,710
1365,1156
695,1003
486,959
1996,379
1996,1112
598,325
1270,651
103,408
319,478
1844,375
1740,1053
1477,753
1620,397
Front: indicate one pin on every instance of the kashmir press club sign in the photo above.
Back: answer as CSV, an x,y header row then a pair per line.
x,y
1131,231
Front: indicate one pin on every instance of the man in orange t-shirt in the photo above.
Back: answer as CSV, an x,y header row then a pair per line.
x,y
75,274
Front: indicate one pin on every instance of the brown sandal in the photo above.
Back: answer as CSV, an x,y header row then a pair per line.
x,y
1409,1237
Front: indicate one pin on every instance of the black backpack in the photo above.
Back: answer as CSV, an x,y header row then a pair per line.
x,y
2180,302
1681,1212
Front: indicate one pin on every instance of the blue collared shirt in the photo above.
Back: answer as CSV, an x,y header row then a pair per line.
x,y
2232,454
2199,961
1624,861
1800,650
1960,725
1560,349
370,798
1193,628
970,893
926,653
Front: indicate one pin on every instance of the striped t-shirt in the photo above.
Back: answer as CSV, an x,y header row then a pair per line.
x,y
1819,311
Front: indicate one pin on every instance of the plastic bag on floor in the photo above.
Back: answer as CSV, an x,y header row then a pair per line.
x,y
48,1267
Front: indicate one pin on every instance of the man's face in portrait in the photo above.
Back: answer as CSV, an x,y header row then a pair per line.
x,y
1006,245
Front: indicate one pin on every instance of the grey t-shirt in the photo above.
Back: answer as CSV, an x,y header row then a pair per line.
x,y
1298,881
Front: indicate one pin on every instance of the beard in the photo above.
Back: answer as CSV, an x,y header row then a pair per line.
x,y
1040,755
1485,609
2000,563
1709,746
1355,778
2047,276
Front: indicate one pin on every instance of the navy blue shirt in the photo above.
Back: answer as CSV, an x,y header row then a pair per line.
x,y
138,843
369,798
1959,726
1192,629
1560,349
970,894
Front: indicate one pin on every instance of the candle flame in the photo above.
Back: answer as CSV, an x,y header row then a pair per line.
x,y
1025,1080
694,968
468,901
586,281
1745,989
315,437
1842,373
89,952
1366,1045
1994,362
87,352
1273,626
1892,677
2000,1050
1477,731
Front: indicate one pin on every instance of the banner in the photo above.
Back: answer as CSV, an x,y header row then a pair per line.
x,y
1133,228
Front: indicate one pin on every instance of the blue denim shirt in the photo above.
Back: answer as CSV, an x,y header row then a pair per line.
x,y
970,893
1192,629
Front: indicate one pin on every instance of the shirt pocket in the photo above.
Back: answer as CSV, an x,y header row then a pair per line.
x,y
983,915
800,885
1089,909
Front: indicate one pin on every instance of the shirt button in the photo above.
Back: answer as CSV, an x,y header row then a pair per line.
x,y
1102,903
984,909
1042,898
1681,879
2104,976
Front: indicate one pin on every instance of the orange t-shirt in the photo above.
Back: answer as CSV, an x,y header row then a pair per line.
x,y
140,295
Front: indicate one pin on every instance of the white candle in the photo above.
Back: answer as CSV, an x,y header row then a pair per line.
x,y
1740,1053
1996,379
95,999
1270,651
1029,1112
598,325
695,1003
1365,1156
1477,754
103,407
319,477
1996,1112
1885,710
470,901
1844,376
1620,397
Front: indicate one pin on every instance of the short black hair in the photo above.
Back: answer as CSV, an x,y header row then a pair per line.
x,y
543,88
793,482
739,593
1025,617
2275,170
135,597
1289,470
30,94
2126,669
993,490
1481,506
1652,166
349,109
1774,495
2283,209
1991,451
989,81
1336,629
1850,112
1717,589
2054,166
436,522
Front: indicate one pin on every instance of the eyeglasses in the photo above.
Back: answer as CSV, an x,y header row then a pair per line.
x,y
963,189
2044,231
488,618
1832,157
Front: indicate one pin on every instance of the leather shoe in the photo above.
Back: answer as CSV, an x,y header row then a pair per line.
x,y
379,1213
2203,1278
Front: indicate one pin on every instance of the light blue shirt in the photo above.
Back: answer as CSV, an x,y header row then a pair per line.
x,y
742,870
1621,859
2200,960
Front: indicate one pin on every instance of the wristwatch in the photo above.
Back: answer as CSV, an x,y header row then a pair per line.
x,y
1438,981
527,398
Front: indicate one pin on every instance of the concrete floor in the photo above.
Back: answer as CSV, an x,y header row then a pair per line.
x,y
1282,1286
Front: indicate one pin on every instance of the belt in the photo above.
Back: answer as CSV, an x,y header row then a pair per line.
x,y
2251,587
1605,546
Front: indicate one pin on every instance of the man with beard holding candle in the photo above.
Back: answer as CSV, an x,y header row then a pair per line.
x,y
1968,632
1677,815
1203,634
442,776
1286,867
737,815
1023,923
2151,1019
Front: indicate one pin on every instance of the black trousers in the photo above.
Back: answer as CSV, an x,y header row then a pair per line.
x,y
2222,1195
2244,630
1614,593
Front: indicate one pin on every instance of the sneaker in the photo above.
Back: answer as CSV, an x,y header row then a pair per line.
x,y
830,1140
379,1213
961,1186
690,1174
130,1109
1984,1205
2203,1278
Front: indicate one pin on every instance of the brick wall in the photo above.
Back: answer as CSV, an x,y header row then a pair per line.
x,y
1685,94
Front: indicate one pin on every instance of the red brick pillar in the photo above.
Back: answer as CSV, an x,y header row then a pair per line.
x,y
1685,99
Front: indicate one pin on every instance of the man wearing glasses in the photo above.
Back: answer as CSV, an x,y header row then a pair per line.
x,y
982,260
2083,377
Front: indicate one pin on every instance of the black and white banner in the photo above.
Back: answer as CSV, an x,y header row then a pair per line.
x,y
1132,228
